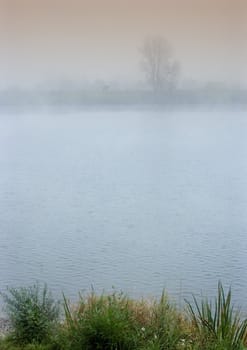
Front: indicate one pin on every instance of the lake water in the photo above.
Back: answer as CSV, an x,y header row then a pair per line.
x,y
136,199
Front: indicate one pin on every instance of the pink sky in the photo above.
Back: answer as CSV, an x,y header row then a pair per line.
x,y
98,39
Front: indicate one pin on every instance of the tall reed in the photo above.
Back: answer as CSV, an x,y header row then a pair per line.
x,y
218,325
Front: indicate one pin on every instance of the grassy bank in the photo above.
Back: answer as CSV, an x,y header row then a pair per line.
x,y
117,322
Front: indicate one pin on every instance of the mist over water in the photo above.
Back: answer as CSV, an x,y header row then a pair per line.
x,y
139,199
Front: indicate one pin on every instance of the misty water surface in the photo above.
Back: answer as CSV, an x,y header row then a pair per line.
x,y
136,199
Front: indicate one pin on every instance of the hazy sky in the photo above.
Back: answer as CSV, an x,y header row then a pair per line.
x,y
46,40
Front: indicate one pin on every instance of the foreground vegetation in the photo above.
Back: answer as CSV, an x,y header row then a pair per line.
x,y
116,322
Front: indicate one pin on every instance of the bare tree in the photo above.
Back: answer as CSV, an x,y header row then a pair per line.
x,y
160,69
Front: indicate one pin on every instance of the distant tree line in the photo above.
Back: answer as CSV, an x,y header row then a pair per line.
x,y
161,73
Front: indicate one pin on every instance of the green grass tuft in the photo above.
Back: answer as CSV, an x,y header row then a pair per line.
x,y
218,326
32,312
